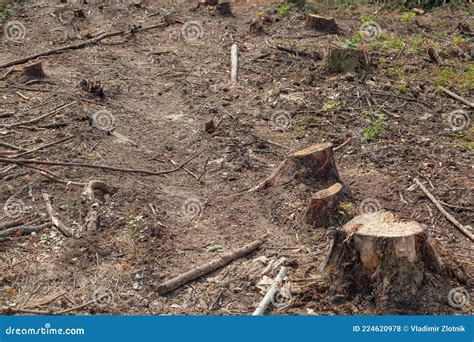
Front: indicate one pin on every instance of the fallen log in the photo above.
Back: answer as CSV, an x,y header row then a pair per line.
x,y
185,278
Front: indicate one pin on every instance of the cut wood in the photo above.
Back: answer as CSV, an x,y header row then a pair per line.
x,y
270,295
54,220
317,23
207,268
323,204
340,60
379,248
234,58
438,205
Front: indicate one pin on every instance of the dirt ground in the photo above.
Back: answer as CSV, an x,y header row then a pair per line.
x,y
161,87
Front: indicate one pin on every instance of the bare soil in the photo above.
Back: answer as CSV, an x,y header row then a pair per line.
x,y
161,89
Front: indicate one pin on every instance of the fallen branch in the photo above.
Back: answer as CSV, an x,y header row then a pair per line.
x,y
24,229
11,224
43,146
101,167
457,97
53,176
39,118
56,222
207,268
270,295
76,46
444,212
13,147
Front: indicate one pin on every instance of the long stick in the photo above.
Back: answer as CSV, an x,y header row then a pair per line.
x,y
457,97
209,267
262,307
444,212
92,166
234,59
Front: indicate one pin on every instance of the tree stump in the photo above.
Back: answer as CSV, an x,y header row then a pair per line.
x,y
315,163
339,60
34,71
310,178
317,23
380,254
323,203
224,9
256,27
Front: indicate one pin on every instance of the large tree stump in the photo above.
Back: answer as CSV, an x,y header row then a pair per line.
x,y
378,253
339,60
317,23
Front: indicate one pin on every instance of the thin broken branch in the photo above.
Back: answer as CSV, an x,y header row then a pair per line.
x,y
438,205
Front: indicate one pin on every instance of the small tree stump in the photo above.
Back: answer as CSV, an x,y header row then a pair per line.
x,y
256,27
317,23
378,248
339,60
34,71
323,203
314,163
224,9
